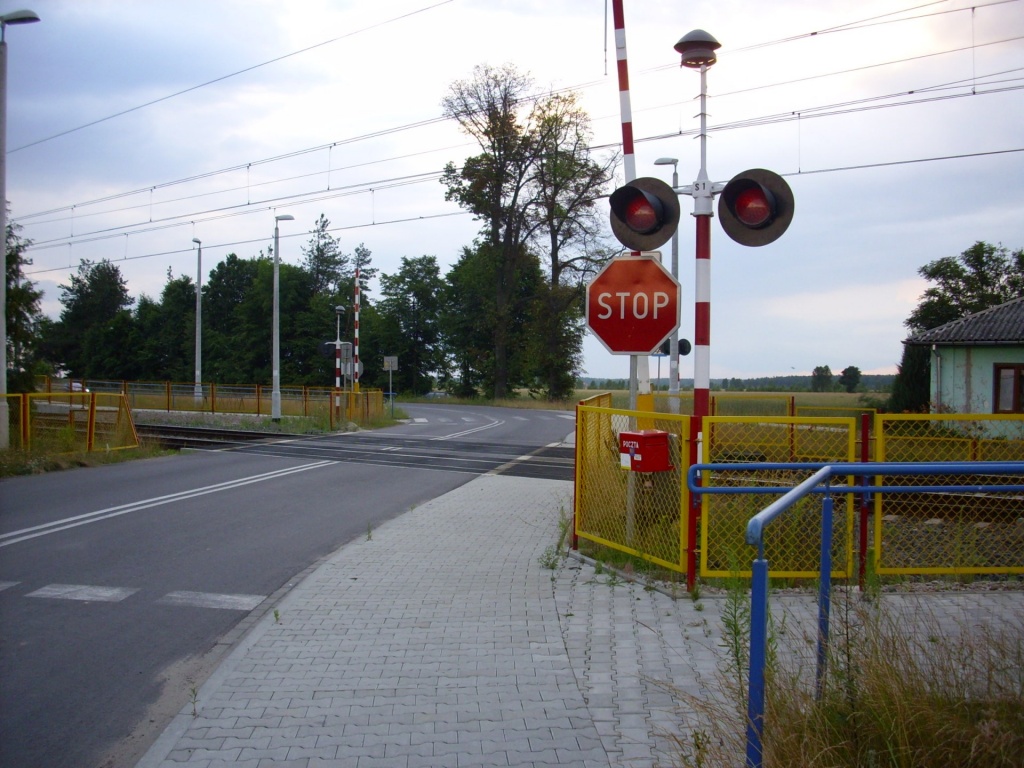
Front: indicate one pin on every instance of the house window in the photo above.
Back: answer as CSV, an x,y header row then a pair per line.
x,y
1009,394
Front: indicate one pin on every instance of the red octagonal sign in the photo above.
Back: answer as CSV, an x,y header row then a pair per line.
x,y
633,305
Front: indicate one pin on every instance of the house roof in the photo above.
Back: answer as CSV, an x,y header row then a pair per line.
x,y
999,325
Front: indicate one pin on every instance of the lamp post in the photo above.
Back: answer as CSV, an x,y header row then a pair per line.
x,y
199,321
673,352
14,17
698,52
275,397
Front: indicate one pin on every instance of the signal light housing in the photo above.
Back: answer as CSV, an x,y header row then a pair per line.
x,y
645,213
683,348
756,207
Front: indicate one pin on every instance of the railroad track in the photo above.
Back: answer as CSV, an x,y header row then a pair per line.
x,y
177,437
555,463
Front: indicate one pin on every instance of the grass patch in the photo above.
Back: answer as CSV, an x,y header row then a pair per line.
x,y
903,690
35,462
632,565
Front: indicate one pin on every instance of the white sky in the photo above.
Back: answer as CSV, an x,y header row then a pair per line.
x,y
834,290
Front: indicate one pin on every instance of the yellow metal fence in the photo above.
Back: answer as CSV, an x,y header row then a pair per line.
x,y
640,513
941,532
793,541
333,405
645,513
67,422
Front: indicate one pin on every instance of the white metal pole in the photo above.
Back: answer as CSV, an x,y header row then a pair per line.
x,y
5,425
275,397
15,17
199,320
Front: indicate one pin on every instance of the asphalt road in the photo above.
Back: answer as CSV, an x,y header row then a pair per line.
x,y
122,586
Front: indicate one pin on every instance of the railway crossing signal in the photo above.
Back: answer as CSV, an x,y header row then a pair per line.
x,y
756,207
645,213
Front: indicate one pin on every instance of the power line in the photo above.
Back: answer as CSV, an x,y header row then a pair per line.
x,y
251,241
228,76
319,195
232,244
311,196
232,211
439,119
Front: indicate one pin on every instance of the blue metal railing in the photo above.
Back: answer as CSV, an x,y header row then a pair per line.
x,y
821,482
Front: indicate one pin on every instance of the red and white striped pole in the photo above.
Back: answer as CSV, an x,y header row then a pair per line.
x,y
628,160
355,340
698,52
337,358
639,371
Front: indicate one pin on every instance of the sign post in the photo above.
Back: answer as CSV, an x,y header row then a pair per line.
x,y
390,365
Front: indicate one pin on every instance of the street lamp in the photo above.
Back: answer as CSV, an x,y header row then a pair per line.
x,y
275,397
199,321
673,353
698,52
14,17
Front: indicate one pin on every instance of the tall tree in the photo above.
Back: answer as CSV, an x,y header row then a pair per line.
x,y
821,379
534,182
163,347
24,315
982,276
467,320
409,311
565,225
492,185
88,339
322,258
226,357
849,378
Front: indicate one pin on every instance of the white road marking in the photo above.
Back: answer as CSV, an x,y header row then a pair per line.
x,y
420,421
465,432
64,524
8,584
83,592
212,600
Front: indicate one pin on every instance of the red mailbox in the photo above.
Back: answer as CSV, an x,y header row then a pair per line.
x,y
644,451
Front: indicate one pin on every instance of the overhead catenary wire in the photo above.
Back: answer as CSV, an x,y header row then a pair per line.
x,y
222,78
841,108
76,212
23,218
374,224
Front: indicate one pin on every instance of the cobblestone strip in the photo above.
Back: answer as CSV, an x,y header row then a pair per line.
x,y
434,642
639,656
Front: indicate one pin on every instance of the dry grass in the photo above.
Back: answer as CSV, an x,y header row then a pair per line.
x,y
16,462
903,691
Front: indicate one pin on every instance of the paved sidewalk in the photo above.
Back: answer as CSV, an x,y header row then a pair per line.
x,y
441,640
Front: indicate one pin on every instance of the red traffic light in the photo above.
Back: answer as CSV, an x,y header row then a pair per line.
x,y
641,212
644,213
756,207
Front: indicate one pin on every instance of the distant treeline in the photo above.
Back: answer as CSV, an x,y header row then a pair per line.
x,y
868,383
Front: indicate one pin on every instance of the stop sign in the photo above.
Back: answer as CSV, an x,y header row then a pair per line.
x,y
633,305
